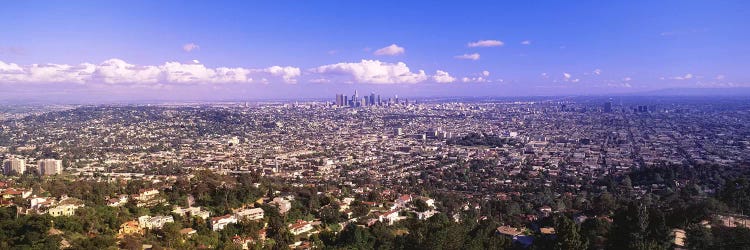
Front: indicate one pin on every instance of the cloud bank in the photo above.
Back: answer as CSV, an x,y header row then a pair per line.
x,y
117,71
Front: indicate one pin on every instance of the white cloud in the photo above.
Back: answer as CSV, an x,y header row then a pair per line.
x,y
289,74
687,76
567,77
443,77
597,72
485,43
190,47
627,79
391,50
373,71
485,73
117,71
526,42
477,79
472,57
720,77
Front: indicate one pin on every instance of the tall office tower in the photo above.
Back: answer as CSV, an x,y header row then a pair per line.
x,y
356,96
49,167
372,99
339,100
346,101
608,107
14,166
365,101
379,102
397,99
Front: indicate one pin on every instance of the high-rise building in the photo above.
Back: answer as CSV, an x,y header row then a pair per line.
x,y
379,102
49,167
340,100
14,166
372,99
608,107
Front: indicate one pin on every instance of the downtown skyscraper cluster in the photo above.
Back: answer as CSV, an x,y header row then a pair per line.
x,y
368,100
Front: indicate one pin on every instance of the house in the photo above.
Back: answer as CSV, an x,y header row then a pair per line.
x,y
389,217
148,197
345,203
12,193
516,234
679,237
146,194
545,210
129,228
117,201
547,230
283,204
154,222
426,214
191,212
41,203
509,231
187,232
403,200
66,207
300,227
249,214
219,222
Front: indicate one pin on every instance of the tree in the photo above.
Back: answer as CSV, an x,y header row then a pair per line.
x,y
698,237
736,194
355,237
568,234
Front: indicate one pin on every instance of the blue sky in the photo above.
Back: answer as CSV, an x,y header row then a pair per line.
x,y
271,49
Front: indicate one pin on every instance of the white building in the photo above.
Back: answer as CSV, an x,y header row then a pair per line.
x,y
118,201
66,207
192,212
218,223
389,217
49,167
249,214
300,227
283,204
14,166
154,222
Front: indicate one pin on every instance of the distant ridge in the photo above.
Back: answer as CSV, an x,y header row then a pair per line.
x,y
743,91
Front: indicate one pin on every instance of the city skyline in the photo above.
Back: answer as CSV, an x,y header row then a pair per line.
x,y
135,51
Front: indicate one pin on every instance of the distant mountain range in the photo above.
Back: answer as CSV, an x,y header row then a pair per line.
x,y
745,91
